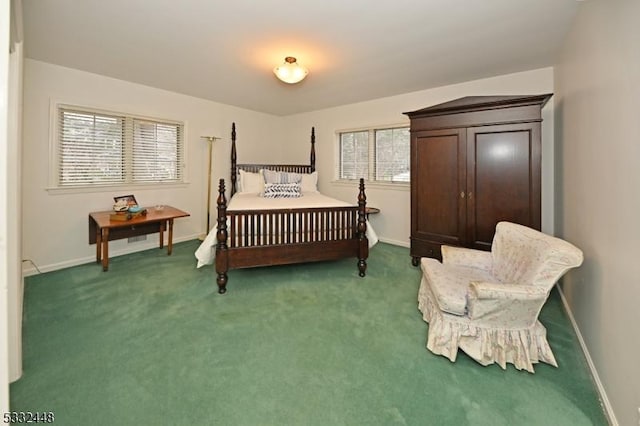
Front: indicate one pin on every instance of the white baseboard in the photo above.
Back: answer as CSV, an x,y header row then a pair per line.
x,y
27,271
603,394
394,242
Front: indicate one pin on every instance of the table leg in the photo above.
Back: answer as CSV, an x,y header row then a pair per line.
x,y
170,238
162,234
99,245
105,249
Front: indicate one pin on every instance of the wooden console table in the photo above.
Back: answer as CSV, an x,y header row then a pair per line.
x,y
102,229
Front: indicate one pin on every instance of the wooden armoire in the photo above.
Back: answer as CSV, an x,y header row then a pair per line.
x,y
475,161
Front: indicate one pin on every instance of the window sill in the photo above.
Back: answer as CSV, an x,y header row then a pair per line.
x,y
395,186
111,188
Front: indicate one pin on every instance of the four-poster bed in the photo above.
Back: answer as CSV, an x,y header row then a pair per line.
x,y
255,231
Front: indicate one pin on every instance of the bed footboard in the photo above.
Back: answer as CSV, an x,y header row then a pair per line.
x,y
250,238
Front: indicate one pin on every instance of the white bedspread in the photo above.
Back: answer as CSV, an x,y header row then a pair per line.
x,y
249,201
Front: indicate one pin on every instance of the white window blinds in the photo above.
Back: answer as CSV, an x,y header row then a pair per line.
x,y
354,155
392,155
91,148
156,152
96,148
375,154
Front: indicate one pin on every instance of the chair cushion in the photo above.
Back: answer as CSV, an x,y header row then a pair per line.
x,y
449,284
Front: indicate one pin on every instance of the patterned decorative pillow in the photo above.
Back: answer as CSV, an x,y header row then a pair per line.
x,y
281,177
282,190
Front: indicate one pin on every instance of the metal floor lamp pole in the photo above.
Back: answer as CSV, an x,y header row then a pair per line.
x,y
210,139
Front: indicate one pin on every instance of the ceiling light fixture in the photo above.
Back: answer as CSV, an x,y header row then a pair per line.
x,y
290,72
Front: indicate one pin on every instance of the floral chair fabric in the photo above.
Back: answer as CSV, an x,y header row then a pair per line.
x,y
487,303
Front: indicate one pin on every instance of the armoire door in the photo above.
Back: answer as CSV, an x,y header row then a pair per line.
x,y
503,179
438,211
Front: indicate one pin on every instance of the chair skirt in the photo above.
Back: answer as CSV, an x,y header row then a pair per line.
x,y
487,344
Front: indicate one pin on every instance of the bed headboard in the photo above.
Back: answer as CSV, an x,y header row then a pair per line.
x,y
254,168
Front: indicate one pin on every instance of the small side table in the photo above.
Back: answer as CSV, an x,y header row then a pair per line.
x,y
371,210
102,229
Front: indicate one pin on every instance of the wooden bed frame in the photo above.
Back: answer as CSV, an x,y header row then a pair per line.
x,y
289,235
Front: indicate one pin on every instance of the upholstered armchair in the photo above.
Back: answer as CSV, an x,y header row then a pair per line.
x,y
487,303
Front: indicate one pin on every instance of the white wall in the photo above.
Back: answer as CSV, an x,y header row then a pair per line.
x,y
55,224
393,223
14,211
5,187
597,108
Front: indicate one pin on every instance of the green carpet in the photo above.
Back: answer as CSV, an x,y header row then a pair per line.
x,y
151,342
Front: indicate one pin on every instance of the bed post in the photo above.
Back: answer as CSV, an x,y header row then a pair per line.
x,y
222,253
234,160
313,149
363,248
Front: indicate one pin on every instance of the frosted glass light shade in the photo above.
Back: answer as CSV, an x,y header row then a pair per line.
x,y
290,72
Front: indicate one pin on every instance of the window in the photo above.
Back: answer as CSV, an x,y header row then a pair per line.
x,y
354,155
392,154
101,148
375,154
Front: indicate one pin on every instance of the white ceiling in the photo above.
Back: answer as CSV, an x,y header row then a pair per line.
x,y
356,50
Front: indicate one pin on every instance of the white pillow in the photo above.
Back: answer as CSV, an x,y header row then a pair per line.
x,y
251,182
309,182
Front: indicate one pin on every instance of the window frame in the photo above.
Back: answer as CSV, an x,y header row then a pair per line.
x,y
54,144
371,177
